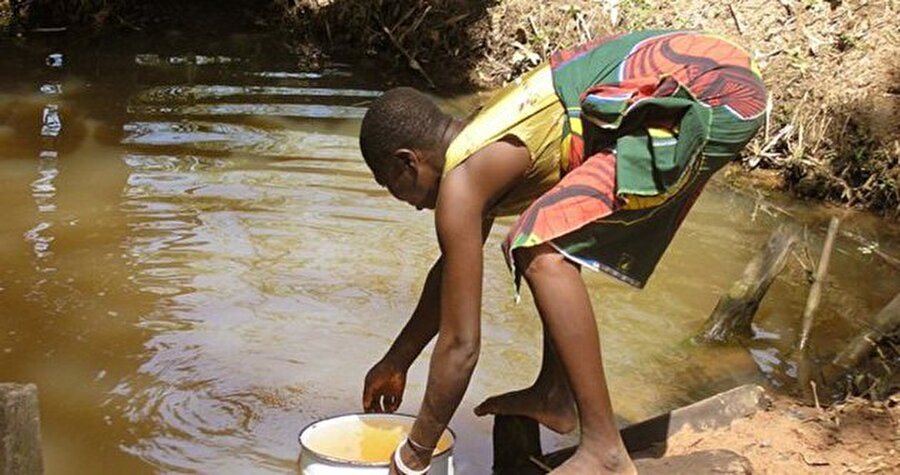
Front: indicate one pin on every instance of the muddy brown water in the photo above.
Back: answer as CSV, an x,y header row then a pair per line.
x,y
196,264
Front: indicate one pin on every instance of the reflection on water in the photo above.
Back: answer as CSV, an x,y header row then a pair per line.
x,y
207,266
316,111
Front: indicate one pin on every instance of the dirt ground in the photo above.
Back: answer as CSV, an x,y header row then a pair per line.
x,y
854,437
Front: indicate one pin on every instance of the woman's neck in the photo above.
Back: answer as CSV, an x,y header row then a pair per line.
x,y
453,128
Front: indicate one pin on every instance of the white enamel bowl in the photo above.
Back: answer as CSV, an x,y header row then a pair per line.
x,y
321,445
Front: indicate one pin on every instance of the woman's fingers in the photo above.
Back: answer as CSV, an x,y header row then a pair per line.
x,y
380,401
373,401
368,399
397,401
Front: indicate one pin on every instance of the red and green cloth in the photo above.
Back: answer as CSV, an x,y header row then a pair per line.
x,y
651,116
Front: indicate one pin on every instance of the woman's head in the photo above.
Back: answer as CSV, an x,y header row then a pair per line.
x,y
401,139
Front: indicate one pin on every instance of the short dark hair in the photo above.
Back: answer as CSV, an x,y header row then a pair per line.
x,y
400,118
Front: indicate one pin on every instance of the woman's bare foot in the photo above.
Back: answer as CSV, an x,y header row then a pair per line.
x,y
583,462
550,405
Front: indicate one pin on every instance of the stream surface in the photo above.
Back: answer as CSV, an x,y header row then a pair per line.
x,y
196,263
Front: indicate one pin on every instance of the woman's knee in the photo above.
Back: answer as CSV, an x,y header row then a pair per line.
x,y
539,260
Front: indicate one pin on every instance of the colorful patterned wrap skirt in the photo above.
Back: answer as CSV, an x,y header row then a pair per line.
x,y
651,116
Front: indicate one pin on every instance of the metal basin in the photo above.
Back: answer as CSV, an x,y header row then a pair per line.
x,y
362,444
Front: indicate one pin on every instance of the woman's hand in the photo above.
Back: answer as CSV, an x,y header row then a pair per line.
x,y
415,460
384,385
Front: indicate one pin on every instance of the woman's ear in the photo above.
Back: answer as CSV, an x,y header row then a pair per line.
x,y
407,157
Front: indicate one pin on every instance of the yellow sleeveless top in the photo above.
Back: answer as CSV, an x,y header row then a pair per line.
x,y
530,111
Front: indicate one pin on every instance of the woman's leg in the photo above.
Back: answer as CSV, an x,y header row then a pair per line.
x,y
565,308
548,401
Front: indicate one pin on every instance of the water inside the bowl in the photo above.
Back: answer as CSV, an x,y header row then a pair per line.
x,y
363,440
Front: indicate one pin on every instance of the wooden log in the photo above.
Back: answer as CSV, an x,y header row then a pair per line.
x,y
711,413
886,322
516,440
808,373
815,290
734,313
20,436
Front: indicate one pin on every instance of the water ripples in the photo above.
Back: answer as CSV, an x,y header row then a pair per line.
x,y
221,212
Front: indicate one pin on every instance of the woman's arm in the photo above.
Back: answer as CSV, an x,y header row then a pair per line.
x,y
385,382
465,196
423,324
458,344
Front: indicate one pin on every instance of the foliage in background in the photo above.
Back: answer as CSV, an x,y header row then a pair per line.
x,y
30,14
5,16
454,43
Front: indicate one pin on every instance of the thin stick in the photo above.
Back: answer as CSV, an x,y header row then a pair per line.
x,y
737,21
534,27
415,25
815,291
812,384
412,61
885,322
784,131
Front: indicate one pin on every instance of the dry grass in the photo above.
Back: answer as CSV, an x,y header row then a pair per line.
x,y
878,378
5,15
94,14
453,43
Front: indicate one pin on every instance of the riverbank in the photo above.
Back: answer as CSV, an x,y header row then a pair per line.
x,y
739,431
857,436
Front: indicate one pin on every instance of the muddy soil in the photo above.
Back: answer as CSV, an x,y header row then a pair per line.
x,y
855,437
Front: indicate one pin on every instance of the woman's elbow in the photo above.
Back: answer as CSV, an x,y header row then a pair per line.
x,y
464,351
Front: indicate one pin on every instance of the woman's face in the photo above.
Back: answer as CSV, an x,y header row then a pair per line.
x,y
410,178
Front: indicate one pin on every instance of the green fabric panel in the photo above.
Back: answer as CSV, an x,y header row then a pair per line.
x,y
608,111
634,165
642,168
598,66
664,156
693,132
730,133
728,137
